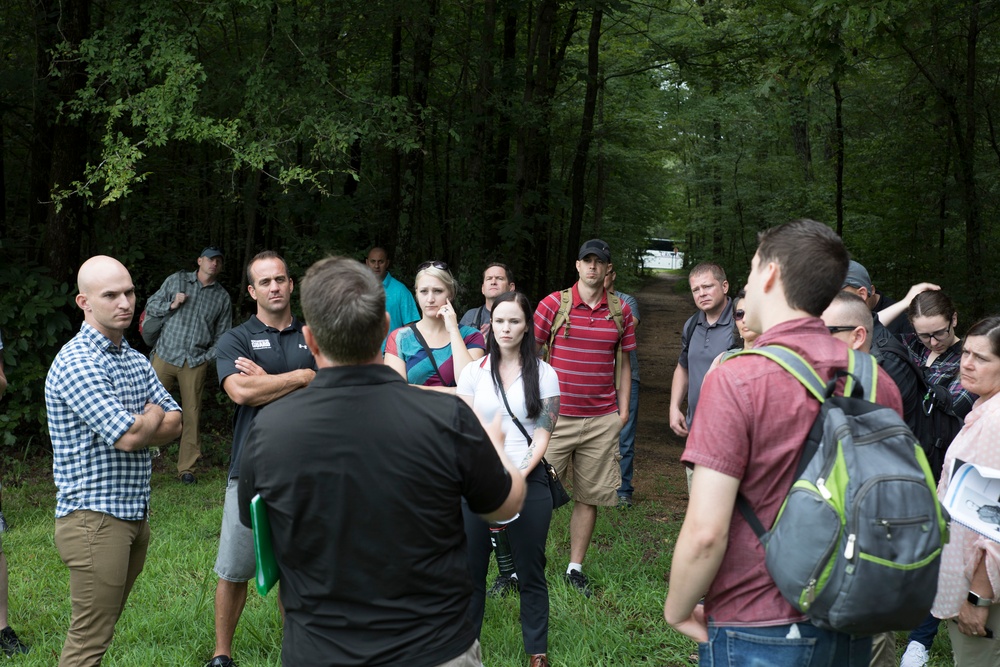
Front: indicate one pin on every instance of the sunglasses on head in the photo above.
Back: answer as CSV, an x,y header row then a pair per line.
x,y
437,265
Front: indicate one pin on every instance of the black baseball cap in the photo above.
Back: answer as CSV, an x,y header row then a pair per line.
x,y
595,247
211,251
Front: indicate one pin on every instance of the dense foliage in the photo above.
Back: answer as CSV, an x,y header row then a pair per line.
x,y
470,130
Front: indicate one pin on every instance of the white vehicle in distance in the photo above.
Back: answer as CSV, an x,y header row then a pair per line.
x,y
662,254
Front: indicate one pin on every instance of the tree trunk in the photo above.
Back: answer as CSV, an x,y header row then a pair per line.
x,y
579,174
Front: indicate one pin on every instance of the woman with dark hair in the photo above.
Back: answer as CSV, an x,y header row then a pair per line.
x,y
432,352
969,579
512,382
934,346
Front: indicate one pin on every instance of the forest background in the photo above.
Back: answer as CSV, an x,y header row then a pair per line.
x,y
473,130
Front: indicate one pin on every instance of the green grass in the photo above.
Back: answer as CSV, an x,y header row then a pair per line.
x,y
169,617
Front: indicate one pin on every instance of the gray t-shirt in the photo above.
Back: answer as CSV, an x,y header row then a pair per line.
x,y
707,342
632,356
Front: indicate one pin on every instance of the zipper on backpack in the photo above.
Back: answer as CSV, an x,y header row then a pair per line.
x,y
849,550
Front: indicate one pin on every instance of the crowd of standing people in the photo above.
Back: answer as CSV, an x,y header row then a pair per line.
x,y
370,483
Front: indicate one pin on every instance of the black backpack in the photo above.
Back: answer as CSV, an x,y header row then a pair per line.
x,y
928,407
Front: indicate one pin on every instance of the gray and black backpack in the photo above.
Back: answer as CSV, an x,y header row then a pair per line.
x,y
857,543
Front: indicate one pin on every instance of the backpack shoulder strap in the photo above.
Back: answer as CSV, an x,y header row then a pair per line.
x,y
862,370
561,318
618,315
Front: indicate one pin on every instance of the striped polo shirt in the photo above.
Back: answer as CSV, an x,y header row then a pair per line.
x,y
584,359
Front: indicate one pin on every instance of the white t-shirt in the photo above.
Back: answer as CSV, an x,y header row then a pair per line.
x,y
476,382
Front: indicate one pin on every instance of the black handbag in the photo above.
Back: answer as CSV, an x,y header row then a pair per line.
x,y
559,495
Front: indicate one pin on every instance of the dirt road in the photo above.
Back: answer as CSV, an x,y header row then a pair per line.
x,y
659,474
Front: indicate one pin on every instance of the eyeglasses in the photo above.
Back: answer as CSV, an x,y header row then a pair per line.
x,y
435,264
938,335
840,328
739,314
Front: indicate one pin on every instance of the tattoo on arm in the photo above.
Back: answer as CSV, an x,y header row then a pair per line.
x,y
550,414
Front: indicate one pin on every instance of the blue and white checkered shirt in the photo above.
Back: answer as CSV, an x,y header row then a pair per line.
x,y
93,391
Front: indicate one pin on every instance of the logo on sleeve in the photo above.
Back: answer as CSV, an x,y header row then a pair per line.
x,y
264,344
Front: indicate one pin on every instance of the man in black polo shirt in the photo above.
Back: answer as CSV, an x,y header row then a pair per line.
x,y
259,361
364,476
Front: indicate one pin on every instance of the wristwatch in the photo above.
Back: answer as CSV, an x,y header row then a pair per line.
x,y
976,600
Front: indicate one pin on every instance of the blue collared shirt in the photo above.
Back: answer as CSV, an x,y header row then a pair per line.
x,y
93,391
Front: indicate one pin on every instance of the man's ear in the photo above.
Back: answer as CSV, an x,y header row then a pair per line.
x,y
511,288
858,337
81,302
310,340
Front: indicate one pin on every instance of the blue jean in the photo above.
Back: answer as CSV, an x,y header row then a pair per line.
x,y
626,442
925,632
730,646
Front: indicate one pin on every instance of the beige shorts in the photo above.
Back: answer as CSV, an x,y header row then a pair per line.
x,y
591,443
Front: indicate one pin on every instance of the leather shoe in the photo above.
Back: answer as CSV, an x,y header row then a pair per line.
x,y
189,478
538,660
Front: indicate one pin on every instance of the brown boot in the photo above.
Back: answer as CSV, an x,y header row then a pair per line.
x,y
538,660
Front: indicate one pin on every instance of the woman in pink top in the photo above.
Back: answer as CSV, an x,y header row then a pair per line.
x,y
969,581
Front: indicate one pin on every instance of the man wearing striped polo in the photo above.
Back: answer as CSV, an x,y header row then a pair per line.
x,y
591,410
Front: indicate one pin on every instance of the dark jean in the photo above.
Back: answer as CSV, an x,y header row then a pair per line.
x,y
925,632
730,646
527,536
626,442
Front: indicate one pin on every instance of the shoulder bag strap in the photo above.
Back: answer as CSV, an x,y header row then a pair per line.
x,y
427,349
513,417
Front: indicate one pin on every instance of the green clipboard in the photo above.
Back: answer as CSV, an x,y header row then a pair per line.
x,y
267,568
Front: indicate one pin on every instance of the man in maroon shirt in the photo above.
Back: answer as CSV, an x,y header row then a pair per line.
x,y
753,420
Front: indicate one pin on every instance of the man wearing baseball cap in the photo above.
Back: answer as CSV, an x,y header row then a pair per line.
x,y
581,343
859,282
195,311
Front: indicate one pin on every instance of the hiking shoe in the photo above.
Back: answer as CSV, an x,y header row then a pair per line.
x,y
916,655
221,661
579,581
503,586
538,660
189,478
10,644
624,502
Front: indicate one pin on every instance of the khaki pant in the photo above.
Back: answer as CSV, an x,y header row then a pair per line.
x,y
470,658
105,556
191,382
591,443
976,651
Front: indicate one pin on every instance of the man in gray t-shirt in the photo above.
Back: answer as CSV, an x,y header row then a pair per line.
x,y
710,335
626,439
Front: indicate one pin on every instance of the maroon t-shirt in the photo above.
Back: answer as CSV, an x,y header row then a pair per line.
x,y
754,417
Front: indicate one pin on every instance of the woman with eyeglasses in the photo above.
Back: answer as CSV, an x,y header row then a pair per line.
x,y
934,346
746,333
514,383
433,351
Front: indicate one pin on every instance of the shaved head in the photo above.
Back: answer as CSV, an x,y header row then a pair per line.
x,y
96,270
106,295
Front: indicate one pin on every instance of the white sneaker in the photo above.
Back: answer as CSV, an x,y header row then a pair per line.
x,y
916,655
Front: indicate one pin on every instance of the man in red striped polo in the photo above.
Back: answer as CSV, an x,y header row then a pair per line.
x,y
591,411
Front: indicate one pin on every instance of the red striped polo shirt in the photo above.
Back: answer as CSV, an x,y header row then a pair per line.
x,y
585,359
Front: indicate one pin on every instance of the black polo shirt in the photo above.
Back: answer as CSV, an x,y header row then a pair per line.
x,y
363,478
275,351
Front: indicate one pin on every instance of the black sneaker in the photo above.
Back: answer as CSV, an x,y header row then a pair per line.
x,y
189,478
503,586
579,581
221,661
10,644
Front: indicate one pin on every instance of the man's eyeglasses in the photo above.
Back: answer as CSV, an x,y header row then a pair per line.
x,y
938,335
841,328
435,264
739,314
